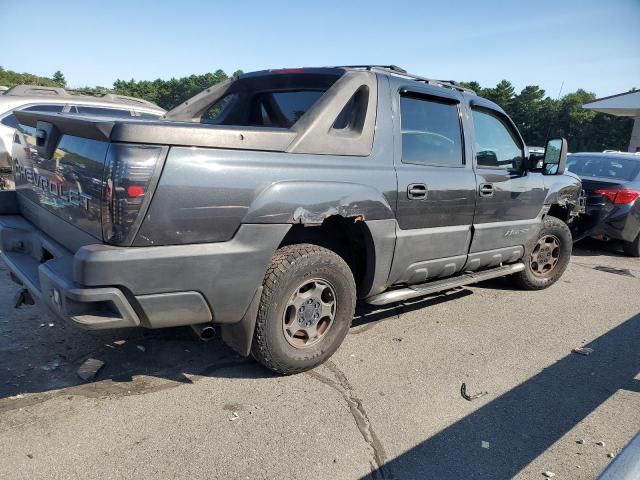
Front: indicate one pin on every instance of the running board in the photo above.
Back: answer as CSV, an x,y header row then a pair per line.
x,y
427,288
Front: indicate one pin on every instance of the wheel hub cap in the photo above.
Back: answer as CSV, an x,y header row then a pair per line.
x,y
309,313
545,255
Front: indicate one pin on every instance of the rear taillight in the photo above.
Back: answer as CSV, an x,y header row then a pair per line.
x,y
619,196
130,172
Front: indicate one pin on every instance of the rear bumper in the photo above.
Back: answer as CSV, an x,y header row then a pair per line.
x,y
619,222
102,286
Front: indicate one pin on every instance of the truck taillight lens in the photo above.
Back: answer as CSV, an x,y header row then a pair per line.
x,y
130,172
619,196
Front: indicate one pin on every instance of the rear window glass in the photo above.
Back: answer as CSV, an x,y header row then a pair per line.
x,y
267,109
275,100
615,168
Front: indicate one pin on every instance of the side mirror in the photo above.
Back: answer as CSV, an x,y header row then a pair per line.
x,y
555,157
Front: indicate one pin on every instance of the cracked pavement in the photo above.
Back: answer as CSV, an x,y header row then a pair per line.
x,y
386,406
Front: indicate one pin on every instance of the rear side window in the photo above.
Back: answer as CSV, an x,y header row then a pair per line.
x,y
12,121
431,133
45,108
100,111
148,116
497,145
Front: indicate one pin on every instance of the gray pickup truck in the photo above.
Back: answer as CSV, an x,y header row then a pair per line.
x,y
267,205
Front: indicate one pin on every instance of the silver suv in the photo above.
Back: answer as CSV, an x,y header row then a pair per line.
x,y
55,100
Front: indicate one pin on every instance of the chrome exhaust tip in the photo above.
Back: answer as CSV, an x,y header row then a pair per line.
x,y
205,331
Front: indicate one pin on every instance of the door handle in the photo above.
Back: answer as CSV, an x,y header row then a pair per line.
x,y
486,190
417,191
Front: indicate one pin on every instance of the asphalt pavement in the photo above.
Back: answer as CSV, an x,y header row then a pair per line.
x,y
388,405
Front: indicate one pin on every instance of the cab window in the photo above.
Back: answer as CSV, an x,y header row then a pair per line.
x,y
431,133
496,144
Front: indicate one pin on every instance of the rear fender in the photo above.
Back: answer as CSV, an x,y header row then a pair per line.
x,y
310,203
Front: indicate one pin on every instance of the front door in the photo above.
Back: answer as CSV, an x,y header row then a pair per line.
x,y
436,187
509,198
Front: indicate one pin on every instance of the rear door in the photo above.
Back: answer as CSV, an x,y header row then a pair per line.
x,y
436,184
509,198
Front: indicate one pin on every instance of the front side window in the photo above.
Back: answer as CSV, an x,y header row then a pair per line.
x,y
431,132
496,144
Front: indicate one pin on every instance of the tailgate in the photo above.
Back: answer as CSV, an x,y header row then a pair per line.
x,y
67,170
64,175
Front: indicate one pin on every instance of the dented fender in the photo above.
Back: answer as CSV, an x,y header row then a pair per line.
x,y
310,203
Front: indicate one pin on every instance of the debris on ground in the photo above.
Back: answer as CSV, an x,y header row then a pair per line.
x,y
580,442
397,339
466,396
234,416
90,368
548,474
484,444
29,455
611,455
16,397
600,443
583,350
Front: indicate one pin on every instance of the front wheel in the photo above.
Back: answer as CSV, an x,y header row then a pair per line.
x,y
308,302
546,257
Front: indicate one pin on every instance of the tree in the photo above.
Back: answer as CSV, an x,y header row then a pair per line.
x,y
58,79
502,94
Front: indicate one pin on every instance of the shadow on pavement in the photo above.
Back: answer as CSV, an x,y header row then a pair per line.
x,y
524,422
590,247
41,354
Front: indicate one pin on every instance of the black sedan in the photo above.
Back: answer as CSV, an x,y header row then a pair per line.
x,y
612,183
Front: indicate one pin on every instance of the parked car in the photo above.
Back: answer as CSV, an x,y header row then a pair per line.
x,y
59,100
612,183
268,204
536,155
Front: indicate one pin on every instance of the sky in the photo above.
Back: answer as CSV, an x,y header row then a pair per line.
x,y
590,44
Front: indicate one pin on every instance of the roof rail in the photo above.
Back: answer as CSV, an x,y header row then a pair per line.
x,y
395,70
36,90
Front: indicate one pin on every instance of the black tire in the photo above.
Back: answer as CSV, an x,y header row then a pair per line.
x,y
292,266
530,279
632,248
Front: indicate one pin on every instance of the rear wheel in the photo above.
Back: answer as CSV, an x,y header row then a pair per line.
x,y
632,248
547,256
307,305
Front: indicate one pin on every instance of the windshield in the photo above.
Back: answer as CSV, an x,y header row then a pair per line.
x,y
615,168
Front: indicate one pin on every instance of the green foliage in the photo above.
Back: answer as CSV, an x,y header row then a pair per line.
x,y
58,79
9,78
539,117
169,93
